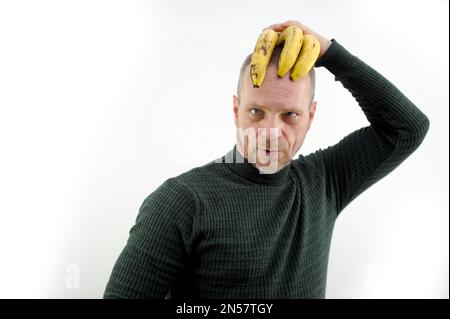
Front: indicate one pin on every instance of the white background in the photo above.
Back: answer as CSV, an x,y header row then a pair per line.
x,y
102,101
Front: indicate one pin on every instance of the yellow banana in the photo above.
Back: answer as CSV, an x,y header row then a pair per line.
x,y
292,37
261,55
307,57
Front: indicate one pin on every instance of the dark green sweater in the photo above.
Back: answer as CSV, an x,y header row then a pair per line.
x,y
223,230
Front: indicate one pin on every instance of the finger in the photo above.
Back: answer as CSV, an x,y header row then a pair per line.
x,y
293,22
288,22
276,25
273,26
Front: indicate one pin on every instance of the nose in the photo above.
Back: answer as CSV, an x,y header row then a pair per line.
x,y
271,128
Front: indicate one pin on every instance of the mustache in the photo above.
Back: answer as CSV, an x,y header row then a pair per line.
x,y
268,147
275,146
272,149
271,146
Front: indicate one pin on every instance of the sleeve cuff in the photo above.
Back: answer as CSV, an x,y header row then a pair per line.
x,y
335,58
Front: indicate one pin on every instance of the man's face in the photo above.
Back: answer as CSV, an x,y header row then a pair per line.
x,y
277,114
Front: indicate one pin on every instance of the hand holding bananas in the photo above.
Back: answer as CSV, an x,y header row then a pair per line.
x,y
301,48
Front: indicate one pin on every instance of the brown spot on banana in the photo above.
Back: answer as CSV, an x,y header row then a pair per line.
x,y
264,50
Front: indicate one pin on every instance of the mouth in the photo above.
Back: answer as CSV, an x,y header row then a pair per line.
x,y
271,152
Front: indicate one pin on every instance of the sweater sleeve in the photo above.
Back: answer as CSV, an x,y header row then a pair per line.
x,y
397,127
158,246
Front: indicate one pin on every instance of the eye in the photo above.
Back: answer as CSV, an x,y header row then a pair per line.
x,y
255,111
291,115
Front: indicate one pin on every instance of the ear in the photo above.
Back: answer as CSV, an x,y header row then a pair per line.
x,y
235,109
312,111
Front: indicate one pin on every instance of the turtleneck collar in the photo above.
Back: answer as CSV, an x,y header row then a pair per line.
x,y
240,165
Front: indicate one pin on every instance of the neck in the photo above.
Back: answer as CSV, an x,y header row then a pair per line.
x,y
238,162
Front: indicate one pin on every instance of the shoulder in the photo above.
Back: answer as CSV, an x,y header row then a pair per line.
x,y
170,193
200,179
181,192
169,202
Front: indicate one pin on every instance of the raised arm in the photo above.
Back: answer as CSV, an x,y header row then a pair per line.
x,y
397,127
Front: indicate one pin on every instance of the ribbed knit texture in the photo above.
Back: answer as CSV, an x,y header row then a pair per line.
x,y
224,230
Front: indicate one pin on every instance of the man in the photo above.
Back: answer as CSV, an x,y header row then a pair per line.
x,y
237,228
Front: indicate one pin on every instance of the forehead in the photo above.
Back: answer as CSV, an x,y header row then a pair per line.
x,y
281,94
276,107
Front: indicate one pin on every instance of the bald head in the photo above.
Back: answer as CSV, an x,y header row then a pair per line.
x,y
273,66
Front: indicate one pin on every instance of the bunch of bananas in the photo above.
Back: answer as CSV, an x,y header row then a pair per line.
x,y
300,52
